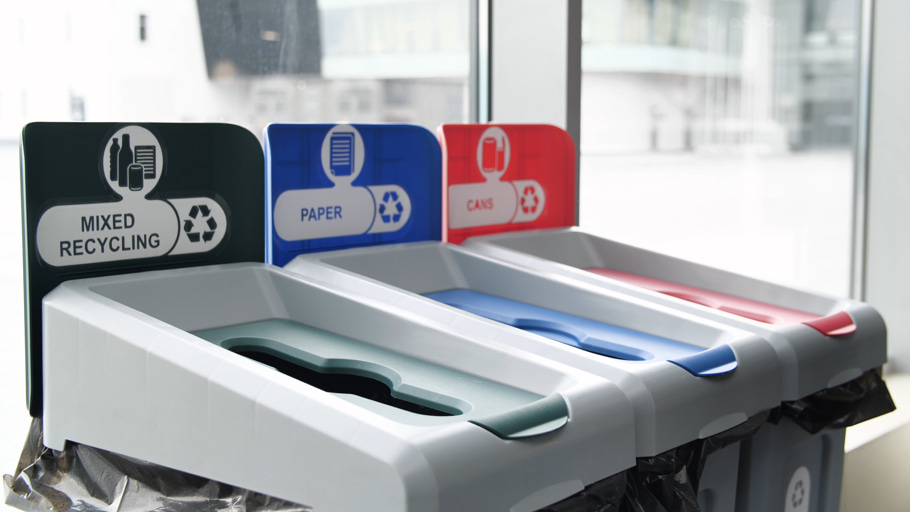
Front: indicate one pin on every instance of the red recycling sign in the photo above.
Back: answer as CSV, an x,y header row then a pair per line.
x,y
506,178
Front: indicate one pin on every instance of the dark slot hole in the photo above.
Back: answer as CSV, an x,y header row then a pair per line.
x,y
363,387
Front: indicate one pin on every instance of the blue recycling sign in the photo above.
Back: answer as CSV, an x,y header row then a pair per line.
x,y
338,186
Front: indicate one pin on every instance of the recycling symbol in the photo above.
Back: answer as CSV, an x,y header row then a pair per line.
x,y
799,494
390,209
529,200
201,225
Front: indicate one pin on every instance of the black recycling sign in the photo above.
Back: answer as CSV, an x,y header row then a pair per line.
x,y
105,198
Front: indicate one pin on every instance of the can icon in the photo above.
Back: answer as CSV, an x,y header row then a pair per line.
x,y
489,155
342,153
135,175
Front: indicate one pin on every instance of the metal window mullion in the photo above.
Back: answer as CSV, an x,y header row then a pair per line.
x,y
861,156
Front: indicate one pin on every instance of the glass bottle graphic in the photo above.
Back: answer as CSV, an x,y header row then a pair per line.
x,y
112,160
124,160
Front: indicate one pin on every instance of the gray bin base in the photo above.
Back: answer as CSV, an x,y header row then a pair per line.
x,y
785,468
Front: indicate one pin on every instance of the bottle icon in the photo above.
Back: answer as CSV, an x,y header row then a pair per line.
x,y
124,160
112,159
135,172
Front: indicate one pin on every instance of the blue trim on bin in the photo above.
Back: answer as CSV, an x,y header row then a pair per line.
x,y
714,361
590,335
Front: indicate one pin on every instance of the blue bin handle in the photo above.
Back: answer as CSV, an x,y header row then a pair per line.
x,y
714,361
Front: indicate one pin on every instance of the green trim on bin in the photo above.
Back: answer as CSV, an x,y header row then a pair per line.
x,y
419,392
541,417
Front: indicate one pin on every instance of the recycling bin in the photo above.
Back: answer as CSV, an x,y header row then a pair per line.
x,y
217,369
156,332
820,342
687,378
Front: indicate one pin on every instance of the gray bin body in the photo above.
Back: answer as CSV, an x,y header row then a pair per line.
x,y
717,488
784,468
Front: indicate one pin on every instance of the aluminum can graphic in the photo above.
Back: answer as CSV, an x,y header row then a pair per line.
x,y
490,155
136,172
342,153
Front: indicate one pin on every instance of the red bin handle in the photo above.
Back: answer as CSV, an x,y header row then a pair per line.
x,y
837,324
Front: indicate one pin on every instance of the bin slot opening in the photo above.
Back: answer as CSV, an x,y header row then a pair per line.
x,y
739,306
387,382
352,370
590,335
749,313
338,380
564,333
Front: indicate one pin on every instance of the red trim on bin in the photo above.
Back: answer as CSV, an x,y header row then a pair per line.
x,y
837,324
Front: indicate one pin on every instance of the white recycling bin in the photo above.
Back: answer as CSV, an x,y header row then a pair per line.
x,y
250,375
157,332
820,342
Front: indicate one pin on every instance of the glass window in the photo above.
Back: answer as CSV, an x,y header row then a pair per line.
x,y
240,61
722,132
249,63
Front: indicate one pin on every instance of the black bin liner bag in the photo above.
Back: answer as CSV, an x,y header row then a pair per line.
x,y
668,482
82,478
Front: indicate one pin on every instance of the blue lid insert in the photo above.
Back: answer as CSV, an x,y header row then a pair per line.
x,y
333,187
592,336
